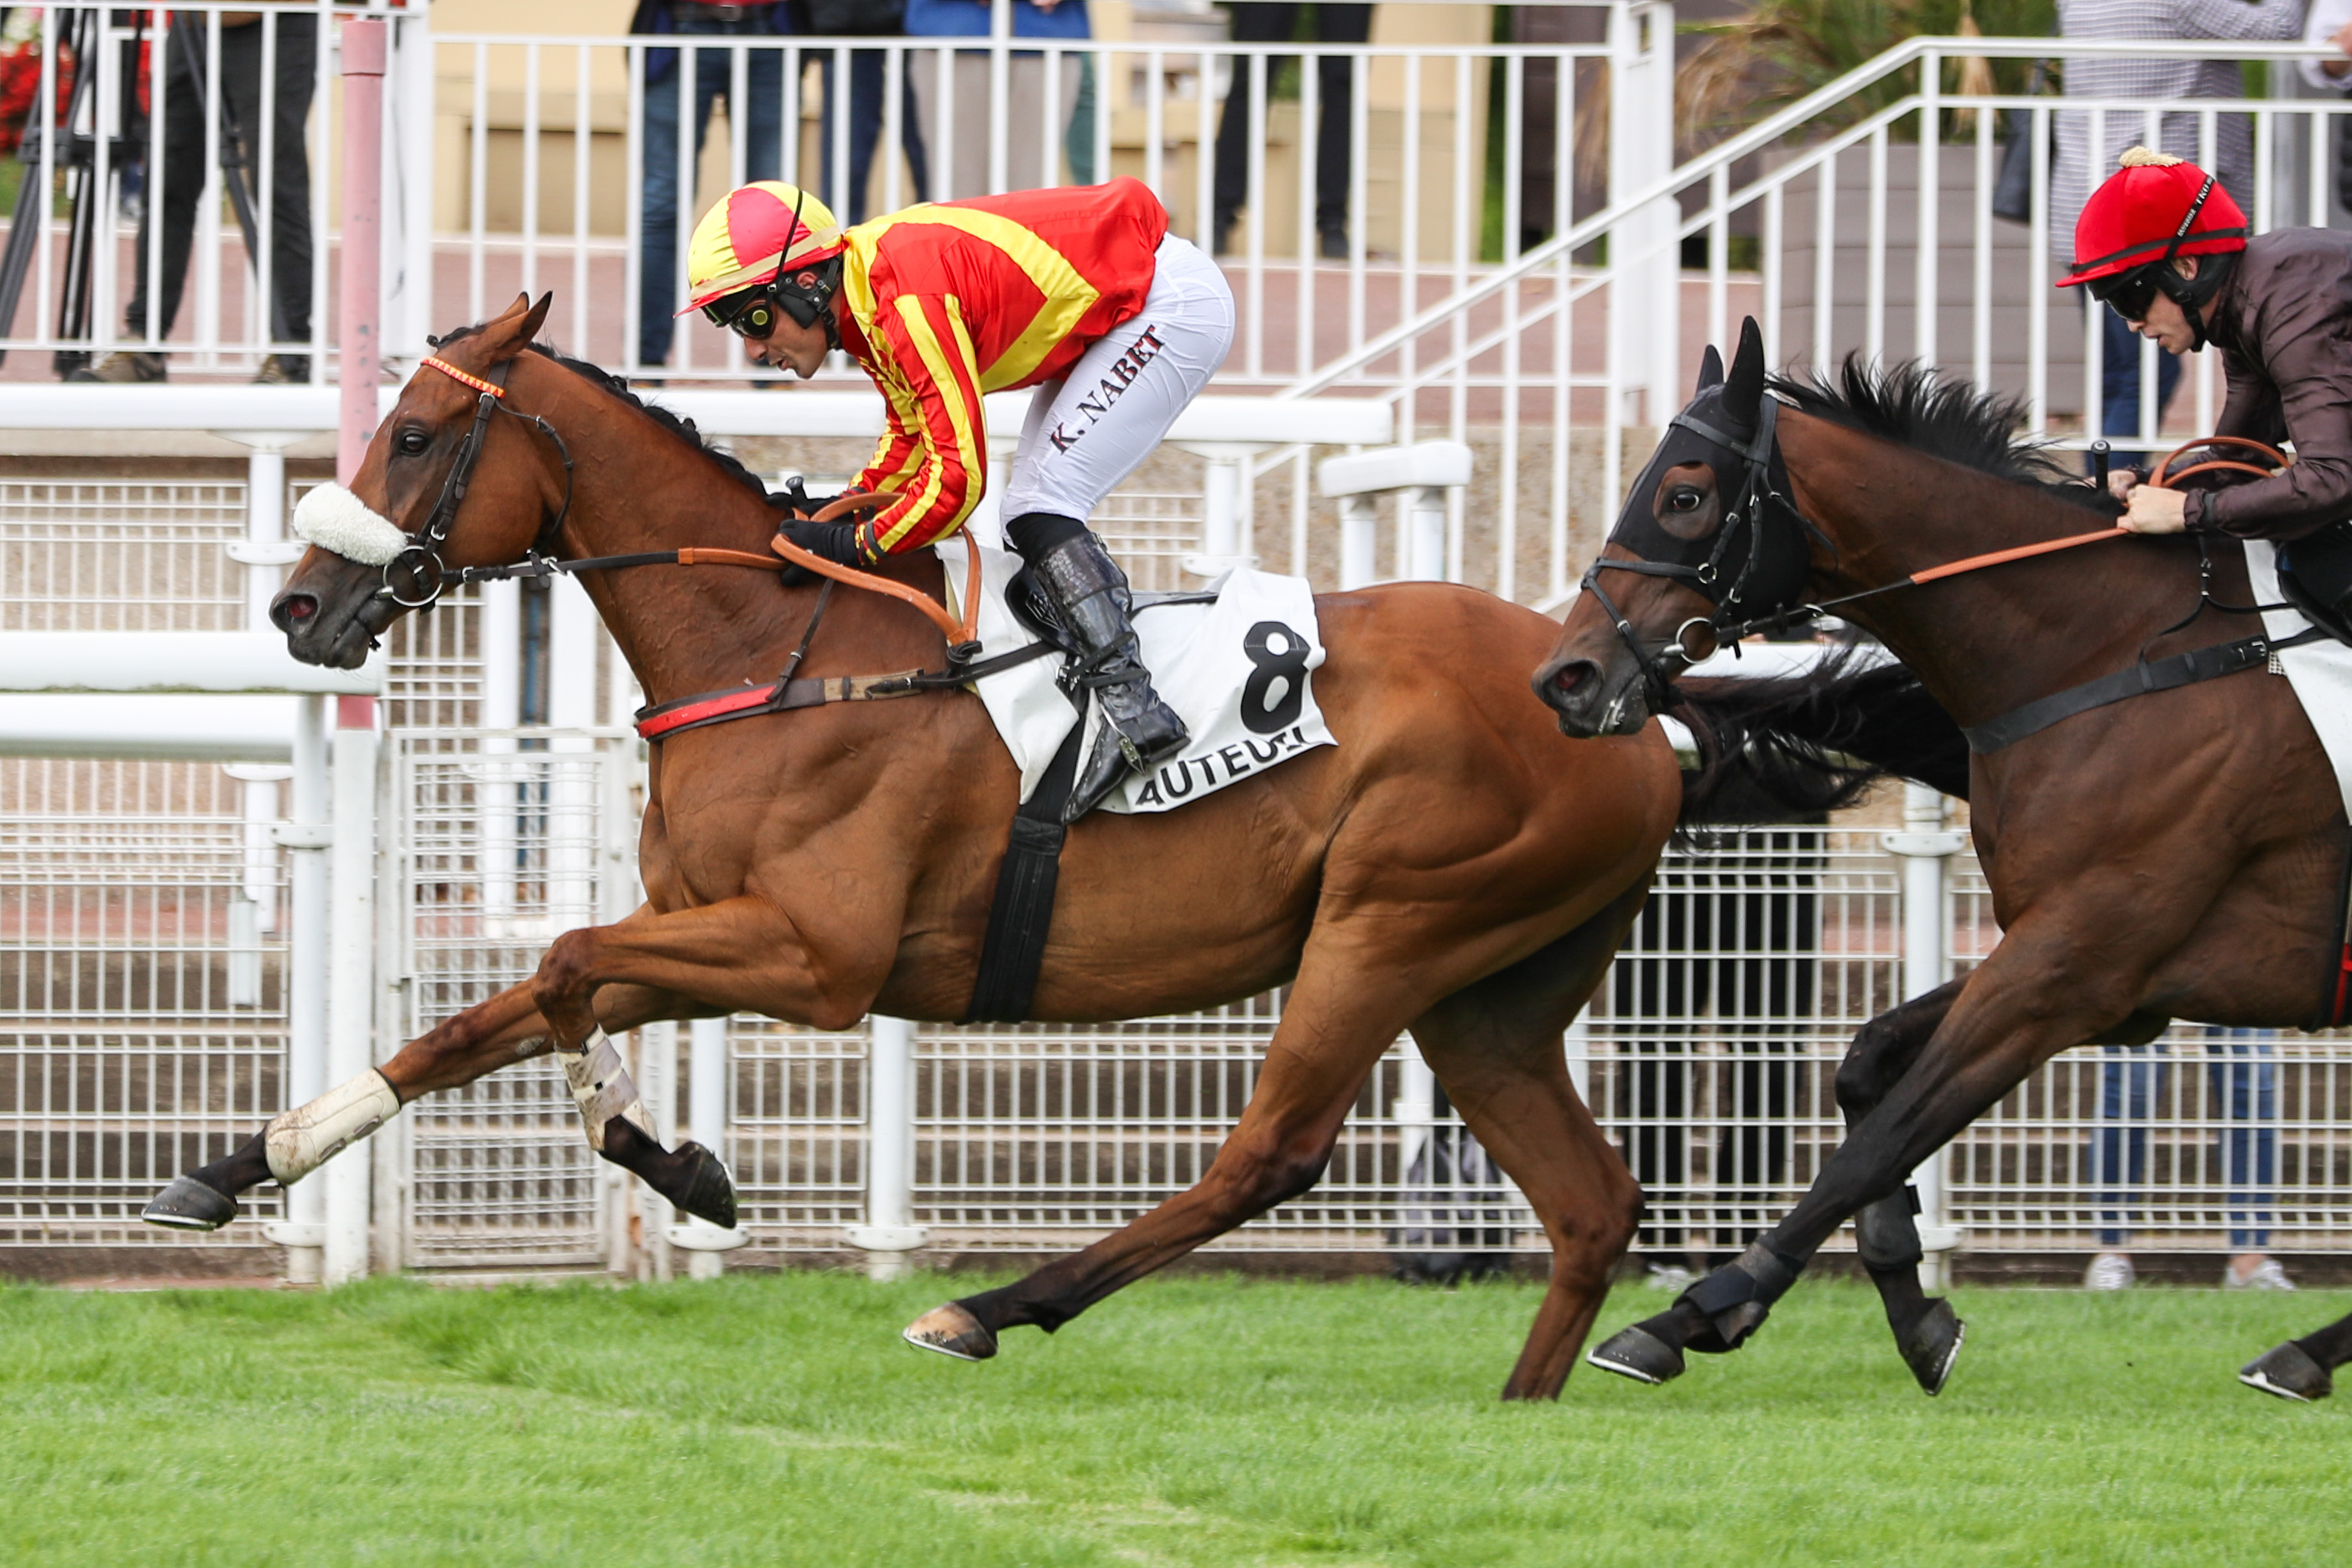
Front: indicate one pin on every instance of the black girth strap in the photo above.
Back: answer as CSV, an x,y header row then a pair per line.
x,y
1023,910
2149,675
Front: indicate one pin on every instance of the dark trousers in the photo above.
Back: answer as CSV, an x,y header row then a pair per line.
x,y
867,93
186,113
1262,22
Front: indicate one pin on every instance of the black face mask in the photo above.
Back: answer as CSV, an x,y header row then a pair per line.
x,y
1751,563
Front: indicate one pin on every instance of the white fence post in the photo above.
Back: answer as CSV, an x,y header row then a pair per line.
x,y
1928,846
351,985
1645,258
308,834
706,1111
889,1232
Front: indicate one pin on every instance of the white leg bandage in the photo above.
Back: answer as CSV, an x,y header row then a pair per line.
x,y
308,1137
335,519
604,1088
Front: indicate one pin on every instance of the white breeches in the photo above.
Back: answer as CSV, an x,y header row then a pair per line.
x,y
1087,431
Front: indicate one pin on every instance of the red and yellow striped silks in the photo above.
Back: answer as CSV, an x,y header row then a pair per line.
x,y
952,299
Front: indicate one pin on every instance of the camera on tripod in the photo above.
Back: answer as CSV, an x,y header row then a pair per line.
x,y
68,139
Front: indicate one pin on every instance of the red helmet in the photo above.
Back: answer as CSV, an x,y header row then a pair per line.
x,y
2154,208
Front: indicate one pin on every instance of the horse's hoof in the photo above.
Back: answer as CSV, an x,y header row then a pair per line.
x,y
710,1191
1638,1353
189,1205
2288,1373
1932,1343
952,1331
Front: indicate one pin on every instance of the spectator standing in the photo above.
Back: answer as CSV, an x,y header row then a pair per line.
x,y
1266,22
1030,160
293,78
2330,25
2079,165
2243,1079
660,286
863,19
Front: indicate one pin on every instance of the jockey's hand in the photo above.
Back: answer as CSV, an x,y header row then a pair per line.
x,y
2156,510
2122,482
837,542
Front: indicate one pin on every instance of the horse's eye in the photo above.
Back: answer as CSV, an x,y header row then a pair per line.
x,y
413,442
1684,498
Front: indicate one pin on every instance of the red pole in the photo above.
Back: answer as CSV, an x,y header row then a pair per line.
x,y
359,350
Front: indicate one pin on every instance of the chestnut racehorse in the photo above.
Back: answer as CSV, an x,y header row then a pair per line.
x,y
1453,866
2177,854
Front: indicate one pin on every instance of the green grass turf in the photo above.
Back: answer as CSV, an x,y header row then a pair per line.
x,y
768,1419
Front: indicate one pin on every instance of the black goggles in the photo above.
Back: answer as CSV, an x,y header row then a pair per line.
x,y
750,314
2130,294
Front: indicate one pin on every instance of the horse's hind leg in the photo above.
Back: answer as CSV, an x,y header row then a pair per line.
x,y
491,1034
1338,1019
1496,1046
2299,1369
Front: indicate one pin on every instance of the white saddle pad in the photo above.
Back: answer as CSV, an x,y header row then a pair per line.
x,y
1235,671
2320,671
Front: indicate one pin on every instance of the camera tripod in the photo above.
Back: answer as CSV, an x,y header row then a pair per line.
x,y
75,156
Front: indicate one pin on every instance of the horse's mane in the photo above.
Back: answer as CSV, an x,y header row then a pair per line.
x,y
1909,403
676,425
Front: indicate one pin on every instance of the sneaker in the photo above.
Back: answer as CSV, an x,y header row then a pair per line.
x,y
282,370
2110,1271
123,367
1333,243
2265,1275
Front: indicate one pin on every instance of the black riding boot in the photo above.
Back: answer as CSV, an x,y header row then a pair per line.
x,y
1090,599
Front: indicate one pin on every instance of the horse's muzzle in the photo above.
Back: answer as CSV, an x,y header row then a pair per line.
x,y
330,611
1591,699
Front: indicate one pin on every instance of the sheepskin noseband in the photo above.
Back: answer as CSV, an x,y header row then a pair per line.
x,y
335,519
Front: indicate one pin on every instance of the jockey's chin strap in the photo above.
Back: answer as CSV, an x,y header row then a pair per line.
x,y
415,577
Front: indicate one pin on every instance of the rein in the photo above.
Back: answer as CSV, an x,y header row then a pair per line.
x,y
1759,457
963,635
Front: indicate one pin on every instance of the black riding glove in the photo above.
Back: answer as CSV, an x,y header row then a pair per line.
x,y
844,544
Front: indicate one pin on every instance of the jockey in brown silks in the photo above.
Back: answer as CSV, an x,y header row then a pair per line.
x,y
2164,247
1081,293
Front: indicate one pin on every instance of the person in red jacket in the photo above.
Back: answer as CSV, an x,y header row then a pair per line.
x,y
1080,292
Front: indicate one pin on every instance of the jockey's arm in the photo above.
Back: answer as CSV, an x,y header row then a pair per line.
x,y
2312,376
936,454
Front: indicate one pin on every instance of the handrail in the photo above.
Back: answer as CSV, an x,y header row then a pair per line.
x,y
1763,134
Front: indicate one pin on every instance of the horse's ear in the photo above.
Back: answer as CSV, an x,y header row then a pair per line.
x,y
531,323
1710,371
1743,390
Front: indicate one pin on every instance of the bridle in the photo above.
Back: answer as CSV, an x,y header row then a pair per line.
x,y
415,577
1752,575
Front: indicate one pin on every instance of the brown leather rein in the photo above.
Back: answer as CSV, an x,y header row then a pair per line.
x,y
2162,478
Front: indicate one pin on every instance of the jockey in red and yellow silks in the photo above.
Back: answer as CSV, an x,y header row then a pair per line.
x,y
1079,292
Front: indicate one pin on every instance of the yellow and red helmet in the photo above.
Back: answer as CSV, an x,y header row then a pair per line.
x,y
766,232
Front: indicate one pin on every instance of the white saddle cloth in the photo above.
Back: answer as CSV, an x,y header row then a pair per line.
x,y
1235,671
2320,671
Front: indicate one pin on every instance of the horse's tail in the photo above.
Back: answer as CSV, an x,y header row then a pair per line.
x,y
1812,743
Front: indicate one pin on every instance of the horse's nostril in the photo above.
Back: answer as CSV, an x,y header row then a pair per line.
x,y
1569,677
293,609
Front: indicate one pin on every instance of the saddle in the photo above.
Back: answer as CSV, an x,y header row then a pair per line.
x,y
2315,573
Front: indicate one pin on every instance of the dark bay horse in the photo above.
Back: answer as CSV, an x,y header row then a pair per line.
x,y
1453,866
2177,854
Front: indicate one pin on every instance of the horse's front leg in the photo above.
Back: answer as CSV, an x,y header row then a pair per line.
x,y
740,955
2301,1369
2029,1000
490,1035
